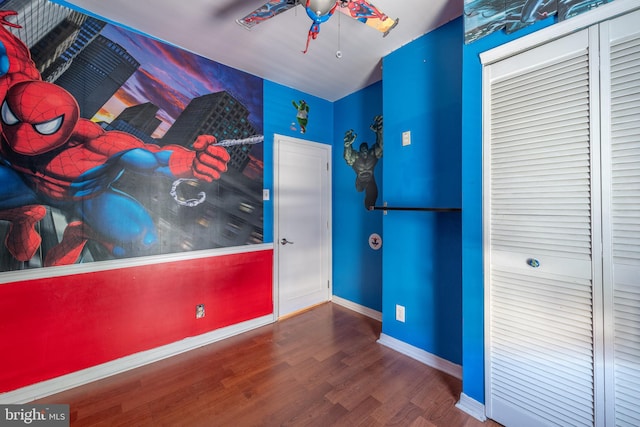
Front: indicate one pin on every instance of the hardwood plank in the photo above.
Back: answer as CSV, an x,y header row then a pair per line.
x,y
321,367
421,422
296,407
359,415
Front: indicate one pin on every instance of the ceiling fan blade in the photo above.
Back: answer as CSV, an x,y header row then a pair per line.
x,y
266,11
367,13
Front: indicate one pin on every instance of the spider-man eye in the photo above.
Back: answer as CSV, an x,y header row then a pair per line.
x,y
8,117
50,127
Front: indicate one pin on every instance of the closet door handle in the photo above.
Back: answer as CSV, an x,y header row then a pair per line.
x,y
532,262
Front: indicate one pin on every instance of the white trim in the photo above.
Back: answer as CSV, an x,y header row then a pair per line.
x,y
596,104
471,407
560,29
376,315
91,267
486,225
95,373
422,356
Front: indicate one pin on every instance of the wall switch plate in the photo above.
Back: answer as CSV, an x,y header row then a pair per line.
x,y
265,194
199,311
406,138
400,313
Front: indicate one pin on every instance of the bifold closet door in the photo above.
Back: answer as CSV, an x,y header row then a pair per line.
x,y
620,53
538,174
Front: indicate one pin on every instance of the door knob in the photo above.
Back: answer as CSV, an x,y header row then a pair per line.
x,y
285,241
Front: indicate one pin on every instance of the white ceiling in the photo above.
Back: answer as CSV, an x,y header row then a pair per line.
x,y
273,49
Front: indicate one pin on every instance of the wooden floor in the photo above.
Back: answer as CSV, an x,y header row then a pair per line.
x,y
319,368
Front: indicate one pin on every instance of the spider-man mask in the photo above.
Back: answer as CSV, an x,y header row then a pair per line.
x,y
38,117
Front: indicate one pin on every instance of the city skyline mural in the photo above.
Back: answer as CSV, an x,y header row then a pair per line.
x,y
136,147
483,17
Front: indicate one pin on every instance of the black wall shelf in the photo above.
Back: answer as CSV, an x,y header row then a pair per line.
x,y
397,208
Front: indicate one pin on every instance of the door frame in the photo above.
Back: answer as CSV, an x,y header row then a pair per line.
x,y
277,138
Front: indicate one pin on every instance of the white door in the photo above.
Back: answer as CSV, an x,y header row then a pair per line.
x,y
620,70
541,161
562,159
302,232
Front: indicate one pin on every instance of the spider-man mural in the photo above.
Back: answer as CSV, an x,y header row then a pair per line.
x,y
51,157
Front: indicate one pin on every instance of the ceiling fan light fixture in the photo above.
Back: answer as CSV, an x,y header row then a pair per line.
x,y
321,7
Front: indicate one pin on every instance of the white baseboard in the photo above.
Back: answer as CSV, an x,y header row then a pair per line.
x,y
422,356
357,308
471,407
56,385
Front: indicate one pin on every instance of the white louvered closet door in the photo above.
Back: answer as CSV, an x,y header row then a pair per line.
x,y
620,40
539,228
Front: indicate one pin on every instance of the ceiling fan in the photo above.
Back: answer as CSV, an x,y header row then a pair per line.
x,y
320,11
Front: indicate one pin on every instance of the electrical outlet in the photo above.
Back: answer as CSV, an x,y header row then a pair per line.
x,y
199,311
400,313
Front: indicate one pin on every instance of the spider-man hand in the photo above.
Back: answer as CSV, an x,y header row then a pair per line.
x,y
206,162
4,14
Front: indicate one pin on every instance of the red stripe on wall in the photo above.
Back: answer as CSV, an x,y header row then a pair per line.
x,y
55,326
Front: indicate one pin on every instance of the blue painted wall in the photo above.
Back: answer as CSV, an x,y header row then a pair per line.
x,y
422,93
472,260
432,87
280,118
357,269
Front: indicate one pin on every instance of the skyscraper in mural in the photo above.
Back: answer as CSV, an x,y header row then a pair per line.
x,y
36,18
218,114
139,120
96,73
87,32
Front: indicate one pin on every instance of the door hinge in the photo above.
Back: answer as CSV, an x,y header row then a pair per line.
x,y
328,285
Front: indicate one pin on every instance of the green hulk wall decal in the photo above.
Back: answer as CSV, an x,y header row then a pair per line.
x,y
303,114
364,161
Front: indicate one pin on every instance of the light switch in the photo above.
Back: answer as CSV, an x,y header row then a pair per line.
x,y
406,138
